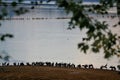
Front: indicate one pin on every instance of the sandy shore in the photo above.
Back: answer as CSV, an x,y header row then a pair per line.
x,y
55,73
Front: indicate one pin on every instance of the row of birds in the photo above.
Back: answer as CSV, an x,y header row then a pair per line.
x,y
66,65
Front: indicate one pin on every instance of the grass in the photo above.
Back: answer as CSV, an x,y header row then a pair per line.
x,y
55,73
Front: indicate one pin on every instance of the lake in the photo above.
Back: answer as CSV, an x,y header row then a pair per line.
x,y
42,35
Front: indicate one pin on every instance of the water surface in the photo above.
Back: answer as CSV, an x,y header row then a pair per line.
x,y
42,35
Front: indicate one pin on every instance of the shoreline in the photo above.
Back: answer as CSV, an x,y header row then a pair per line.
x,y
56,73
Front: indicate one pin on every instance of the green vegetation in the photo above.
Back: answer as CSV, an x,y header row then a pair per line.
x,y
99,35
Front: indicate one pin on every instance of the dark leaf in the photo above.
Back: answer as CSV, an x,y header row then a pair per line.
x,y
48,1
0,57
14,4
119,23
20,1
95,50
84,48
80,45
32,7
107,54
1,17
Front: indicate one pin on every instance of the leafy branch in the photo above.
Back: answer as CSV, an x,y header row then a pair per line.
x,y
99,35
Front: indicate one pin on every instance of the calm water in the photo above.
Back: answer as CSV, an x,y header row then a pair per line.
x,y
47,39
